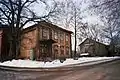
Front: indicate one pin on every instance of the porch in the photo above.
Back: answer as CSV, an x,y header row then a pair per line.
x,y
45,50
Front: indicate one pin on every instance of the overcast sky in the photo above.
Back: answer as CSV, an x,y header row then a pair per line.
x,y
40,10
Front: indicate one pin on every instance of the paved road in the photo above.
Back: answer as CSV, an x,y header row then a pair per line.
x,y
107,71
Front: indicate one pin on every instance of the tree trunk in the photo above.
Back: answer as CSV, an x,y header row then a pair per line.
x,y
75,45
75,36
14,48
10,50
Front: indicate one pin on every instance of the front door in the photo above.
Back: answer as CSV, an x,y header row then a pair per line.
x,y
45,51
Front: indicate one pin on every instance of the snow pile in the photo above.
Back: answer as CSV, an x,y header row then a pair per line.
x,y
84,54
55,63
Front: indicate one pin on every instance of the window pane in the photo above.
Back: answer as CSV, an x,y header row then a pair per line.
x,y
61,37
67,50
56,35
62,49
67,37
45,33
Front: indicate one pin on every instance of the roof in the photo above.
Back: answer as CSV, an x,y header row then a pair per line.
x,y
29,28
55,26
92,40
46,23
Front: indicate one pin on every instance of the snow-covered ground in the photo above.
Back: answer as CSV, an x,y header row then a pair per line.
x,y
55,63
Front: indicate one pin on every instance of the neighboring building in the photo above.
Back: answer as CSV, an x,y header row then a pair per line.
x,y
115,46
91,47
45,41
4,45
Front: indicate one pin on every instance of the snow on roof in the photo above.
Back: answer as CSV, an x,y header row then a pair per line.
x,y
92,40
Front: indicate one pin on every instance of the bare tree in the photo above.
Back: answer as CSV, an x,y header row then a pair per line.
x,y
109,11
16,14
70,16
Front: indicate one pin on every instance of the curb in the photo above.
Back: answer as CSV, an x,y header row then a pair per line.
x,y
62,68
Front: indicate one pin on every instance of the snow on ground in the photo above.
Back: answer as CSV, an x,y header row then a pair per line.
x,y
55,63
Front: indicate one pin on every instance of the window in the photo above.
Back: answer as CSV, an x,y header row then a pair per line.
x,y
55,35
55,51
62,49
67,50
67,39
61,36
45,34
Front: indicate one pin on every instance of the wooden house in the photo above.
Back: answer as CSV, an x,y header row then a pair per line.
x,y
91,47
45,41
